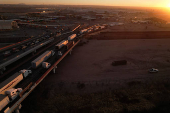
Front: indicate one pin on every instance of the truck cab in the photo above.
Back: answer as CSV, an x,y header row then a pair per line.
x,y
46,65
13,93
25,72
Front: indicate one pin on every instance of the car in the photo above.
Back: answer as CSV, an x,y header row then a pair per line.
x,y
23,47
28,43
153,70
14,50
32,43
6,53
36,42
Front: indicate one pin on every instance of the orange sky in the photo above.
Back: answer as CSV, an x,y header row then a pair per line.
x,y
141,3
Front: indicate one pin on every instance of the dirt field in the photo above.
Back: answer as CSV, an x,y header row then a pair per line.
x,y
87,82
91,63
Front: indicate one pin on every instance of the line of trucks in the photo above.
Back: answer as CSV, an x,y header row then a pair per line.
x,y
93,28
9,93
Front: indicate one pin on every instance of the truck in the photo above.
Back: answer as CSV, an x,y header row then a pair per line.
x,y
25,72
65,48
14,50
23,47
38,61
71,37
9,96
13,80
83,31
102,27
10,82
6,53
46,65
61,44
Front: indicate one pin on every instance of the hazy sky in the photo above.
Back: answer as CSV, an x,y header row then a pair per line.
x,y
143,3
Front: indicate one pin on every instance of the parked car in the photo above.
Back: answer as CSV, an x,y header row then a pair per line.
x,y
32,43
23,46
6,53
153,70
14,50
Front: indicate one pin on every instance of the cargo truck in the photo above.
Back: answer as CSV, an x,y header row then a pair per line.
x,y
38,61
83,31
71,37
61,44
9,96
10,82
46,65
13,80
65,48
25,72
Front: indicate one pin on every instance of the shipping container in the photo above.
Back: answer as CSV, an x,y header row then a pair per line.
x,y
41,59
10,82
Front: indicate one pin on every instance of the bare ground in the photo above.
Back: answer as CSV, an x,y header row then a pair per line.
x,y
87,82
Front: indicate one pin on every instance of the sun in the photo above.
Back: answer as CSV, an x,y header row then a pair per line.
x,y
168,5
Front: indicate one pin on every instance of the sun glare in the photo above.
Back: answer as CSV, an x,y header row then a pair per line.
x,y
168,5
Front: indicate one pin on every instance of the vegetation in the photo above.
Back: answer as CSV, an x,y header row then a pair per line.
x,y
136,97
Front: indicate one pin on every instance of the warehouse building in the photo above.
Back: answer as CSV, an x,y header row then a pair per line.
x,y
8,24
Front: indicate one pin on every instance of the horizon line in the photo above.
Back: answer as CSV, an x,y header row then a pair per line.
x,y
86,5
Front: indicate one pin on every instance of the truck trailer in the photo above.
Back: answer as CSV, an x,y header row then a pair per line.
x,y
61,44
83,31
13,80
10,82
9,96
71,37
38,61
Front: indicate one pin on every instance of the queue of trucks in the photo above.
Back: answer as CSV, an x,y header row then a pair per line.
x,y
8,92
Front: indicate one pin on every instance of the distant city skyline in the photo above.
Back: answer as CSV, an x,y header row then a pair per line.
x,y
140,3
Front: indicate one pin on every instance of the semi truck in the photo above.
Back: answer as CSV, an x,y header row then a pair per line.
x,y
61,44
71,37
38,61
25,72
83,31
9,96
46,65
64,48
13,80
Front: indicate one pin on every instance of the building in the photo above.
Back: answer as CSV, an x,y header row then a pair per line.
x,y
8,24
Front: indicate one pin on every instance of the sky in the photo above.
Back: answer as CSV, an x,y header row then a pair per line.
x,y
141,3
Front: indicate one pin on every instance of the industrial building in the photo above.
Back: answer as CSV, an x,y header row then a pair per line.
x,y
8,24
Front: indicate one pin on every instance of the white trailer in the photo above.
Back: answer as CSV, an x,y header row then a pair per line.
x,y
4,100
38,61
83,31
10,95
61,44
10,82
71,37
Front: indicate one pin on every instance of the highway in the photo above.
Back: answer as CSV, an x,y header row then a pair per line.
x,y
39,73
